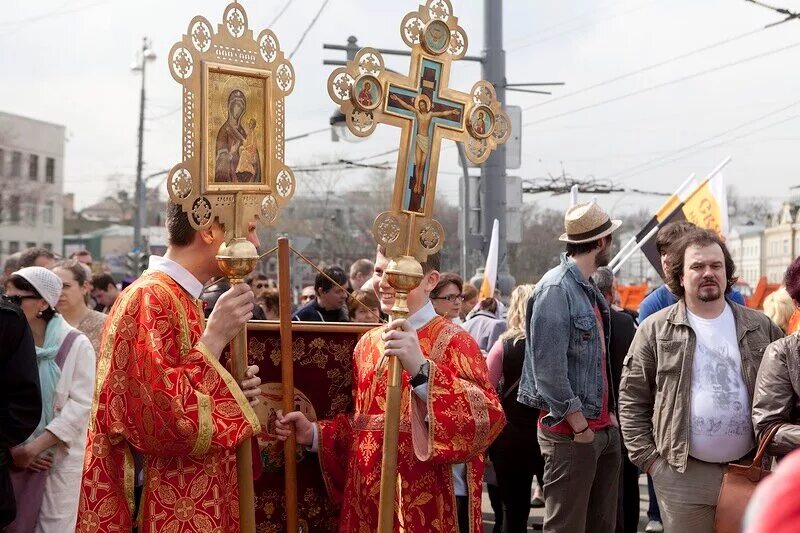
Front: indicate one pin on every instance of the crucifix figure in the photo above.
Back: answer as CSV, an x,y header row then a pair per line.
x,y
426,111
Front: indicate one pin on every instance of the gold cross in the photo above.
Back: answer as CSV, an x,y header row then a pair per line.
x,y
214,502
427,111
180,472
94,483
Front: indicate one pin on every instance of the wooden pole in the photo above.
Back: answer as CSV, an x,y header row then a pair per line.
x,y
403,274
237,259
287,380
244,452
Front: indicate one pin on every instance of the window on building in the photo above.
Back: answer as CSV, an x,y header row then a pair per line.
x,y
33,166
785,246
16,164
31,212
13,209
13,247
47,213
48,246
30,244
50,170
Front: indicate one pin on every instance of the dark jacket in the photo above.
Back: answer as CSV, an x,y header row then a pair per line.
x,y
313,312
623,329
212,293
20,397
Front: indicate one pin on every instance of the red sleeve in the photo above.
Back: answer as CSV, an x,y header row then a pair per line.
x,y
161,394
463,413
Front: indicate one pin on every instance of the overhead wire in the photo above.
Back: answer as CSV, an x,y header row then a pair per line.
x,y
308,29
719,135
663,84
710,147
647,68
280,14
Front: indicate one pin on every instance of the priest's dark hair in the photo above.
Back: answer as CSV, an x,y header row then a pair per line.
x,y
179,230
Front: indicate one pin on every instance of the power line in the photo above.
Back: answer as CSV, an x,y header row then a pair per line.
x,y
588,25
22,22
672,153
717,145
663,84
278,16
647,68
308,29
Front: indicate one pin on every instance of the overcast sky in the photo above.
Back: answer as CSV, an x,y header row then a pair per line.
x,y
69,62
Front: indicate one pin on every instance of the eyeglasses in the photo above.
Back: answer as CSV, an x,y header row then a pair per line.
x,y
453,298
17,298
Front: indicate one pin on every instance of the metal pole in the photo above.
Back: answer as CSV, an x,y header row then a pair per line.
x,y
139,218
493,171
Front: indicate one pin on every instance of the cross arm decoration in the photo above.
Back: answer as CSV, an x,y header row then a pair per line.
x,y
427,111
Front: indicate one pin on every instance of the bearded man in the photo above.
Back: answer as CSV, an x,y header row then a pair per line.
x,y
567,376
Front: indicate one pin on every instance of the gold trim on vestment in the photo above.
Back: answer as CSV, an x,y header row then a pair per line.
x,y
129,469
233,387
205,425
106,349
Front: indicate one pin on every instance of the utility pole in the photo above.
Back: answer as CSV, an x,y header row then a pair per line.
x,y
140,217
493,171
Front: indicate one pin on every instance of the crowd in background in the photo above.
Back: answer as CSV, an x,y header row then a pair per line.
x,y
594,395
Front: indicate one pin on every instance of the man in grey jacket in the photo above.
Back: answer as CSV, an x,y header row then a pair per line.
x,y
567,376
688,381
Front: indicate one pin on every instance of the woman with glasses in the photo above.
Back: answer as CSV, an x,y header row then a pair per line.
x,y
47,468
446,296
72,303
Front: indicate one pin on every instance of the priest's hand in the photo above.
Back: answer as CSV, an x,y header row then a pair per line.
x,y
250,385
400,340
297,422
232,311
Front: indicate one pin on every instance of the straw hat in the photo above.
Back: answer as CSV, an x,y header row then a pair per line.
x,y
46,283
587,222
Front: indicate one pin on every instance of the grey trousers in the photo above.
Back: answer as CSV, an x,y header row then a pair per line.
x,y
688,501
580,482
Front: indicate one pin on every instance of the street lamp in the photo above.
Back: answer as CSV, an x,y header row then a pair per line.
x,y
146,54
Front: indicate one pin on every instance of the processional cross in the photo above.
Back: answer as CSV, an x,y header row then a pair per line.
x,y
427,111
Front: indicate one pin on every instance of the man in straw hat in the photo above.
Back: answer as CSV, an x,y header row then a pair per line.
x,y
567,375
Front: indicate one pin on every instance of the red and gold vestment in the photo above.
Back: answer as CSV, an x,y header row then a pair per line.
x,y
461,417
161,392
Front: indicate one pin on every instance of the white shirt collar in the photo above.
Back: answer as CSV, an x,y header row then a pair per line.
x,y
423,316
182,277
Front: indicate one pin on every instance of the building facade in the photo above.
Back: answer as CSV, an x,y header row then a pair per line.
x,y
779,242
746,245
31,184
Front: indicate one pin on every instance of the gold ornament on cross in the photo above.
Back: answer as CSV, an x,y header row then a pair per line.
x,y
427,111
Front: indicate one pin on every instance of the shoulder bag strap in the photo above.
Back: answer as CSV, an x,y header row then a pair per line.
x,y
66,344
765,441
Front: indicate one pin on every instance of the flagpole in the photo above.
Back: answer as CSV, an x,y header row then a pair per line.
x,y
617,265
625,249
641,243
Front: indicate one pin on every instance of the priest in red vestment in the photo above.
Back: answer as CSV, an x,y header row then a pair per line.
x,y
162,393
449,416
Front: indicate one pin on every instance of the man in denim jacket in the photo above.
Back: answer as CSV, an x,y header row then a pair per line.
x,y
567,375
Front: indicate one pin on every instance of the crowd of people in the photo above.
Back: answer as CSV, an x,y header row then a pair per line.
x,y
556,397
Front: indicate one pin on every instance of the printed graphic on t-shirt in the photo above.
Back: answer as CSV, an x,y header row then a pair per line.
x,y
718,382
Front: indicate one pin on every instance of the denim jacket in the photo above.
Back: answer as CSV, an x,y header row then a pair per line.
x,y
562,372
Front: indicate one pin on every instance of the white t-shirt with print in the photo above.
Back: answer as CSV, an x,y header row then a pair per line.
x,y
721,429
